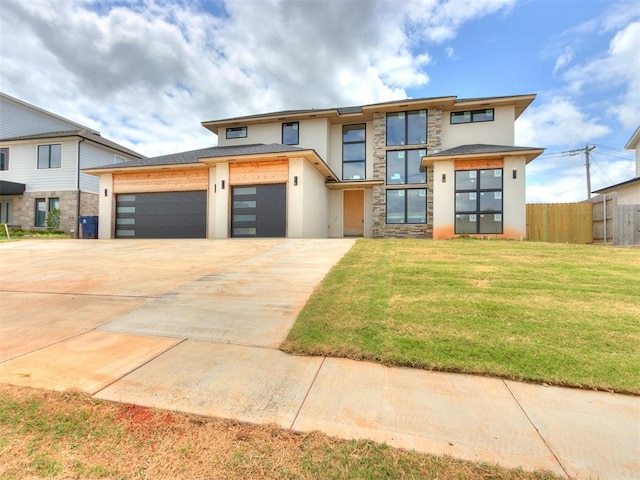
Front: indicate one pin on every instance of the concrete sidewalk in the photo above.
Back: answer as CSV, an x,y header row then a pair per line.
x,y
194,325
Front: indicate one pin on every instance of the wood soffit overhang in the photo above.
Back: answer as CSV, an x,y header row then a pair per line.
x,y
529,155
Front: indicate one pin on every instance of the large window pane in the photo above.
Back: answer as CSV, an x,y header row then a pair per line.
x,y
466,202
41,212
490,201
466,224
237,132
417,206
395,206
417,127
490,223
395,168
43,156
353,151
353,133
414,161
4,159
466,179
353,171
396,128
491,179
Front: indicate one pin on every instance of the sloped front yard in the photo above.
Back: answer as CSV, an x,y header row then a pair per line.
x,y
549,313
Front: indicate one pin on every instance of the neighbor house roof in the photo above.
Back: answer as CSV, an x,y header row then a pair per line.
x,y
365,112
633,141
82,133
618,185
481,150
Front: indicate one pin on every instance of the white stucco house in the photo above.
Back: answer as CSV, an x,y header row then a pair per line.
x,y
430,167
41,160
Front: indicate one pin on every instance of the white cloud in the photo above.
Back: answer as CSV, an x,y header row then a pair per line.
x,y
146,73
564,59
558,122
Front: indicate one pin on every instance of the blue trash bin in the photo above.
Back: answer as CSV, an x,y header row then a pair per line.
x,y
89,224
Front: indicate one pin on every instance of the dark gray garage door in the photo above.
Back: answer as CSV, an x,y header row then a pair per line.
x,y
162,215
259,211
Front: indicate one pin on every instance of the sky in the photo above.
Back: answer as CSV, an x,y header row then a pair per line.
x,y
145,73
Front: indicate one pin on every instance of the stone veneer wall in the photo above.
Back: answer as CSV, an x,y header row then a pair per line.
x,y
434,135
24,208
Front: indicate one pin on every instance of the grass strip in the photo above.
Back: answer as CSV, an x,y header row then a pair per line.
x,y
559,314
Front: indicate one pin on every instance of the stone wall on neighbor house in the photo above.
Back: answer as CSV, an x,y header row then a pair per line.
x,y
24,208
434,135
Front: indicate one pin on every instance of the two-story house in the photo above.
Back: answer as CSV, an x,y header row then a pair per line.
x,y
431,167
41,160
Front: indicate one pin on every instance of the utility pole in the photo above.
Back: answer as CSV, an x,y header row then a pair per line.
x,y
586,150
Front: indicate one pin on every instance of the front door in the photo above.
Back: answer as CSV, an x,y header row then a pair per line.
x,y
353,213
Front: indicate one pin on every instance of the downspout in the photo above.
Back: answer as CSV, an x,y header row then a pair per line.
x,y
78,187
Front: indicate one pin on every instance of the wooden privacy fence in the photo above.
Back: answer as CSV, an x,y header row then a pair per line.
x,y
560,222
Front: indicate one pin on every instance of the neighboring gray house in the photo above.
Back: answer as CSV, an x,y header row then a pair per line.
x,y
41,160
623,210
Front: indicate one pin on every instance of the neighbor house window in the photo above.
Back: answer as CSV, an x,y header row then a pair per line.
x,y
290,133
4,159
237,132
472,116
479,201
353,151
403,166
407,128
43,207
119,159
407,206
50,156
41,212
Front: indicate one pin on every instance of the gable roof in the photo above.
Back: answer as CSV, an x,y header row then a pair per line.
x,y
82,133
480,150
22,103
633,141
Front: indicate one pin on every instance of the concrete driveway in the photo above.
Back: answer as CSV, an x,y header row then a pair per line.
x,y
194,325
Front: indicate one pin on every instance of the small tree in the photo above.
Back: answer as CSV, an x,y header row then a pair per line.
x,y
53,219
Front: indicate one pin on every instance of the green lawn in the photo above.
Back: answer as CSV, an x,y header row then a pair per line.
x,y
553,313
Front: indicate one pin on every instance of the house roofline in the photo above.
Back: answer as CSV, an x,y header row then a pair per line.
x,y
365,112
618,185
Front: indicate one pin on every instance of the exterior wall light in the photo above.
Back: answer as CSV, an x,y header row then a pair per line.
x,y
515,174
444,178
295,180
222,185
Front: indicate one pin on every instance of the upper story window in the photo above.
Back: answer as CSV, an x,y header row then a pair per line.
x,y
407,128
403,167
354,151
119,159
472,116
4,158
290,133
236,132
50,156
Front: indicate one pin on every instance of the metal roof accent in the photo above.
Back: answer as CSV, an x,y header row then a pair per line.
x,y
11,188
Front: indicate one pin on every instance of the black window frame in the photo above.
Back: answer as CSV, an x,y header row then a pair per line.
x,y
405,175
423,112
478,212
4,159
363,142
473,116
242,132
296,128
36,223
48,165
405,206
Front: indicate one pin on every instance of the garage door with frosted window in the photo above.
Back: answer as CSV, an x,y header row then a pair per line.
x,y
162,215
259,211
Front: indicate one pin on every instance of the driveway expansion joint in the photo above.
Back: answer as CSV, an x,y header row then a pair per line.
x,y
315,377
544,440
